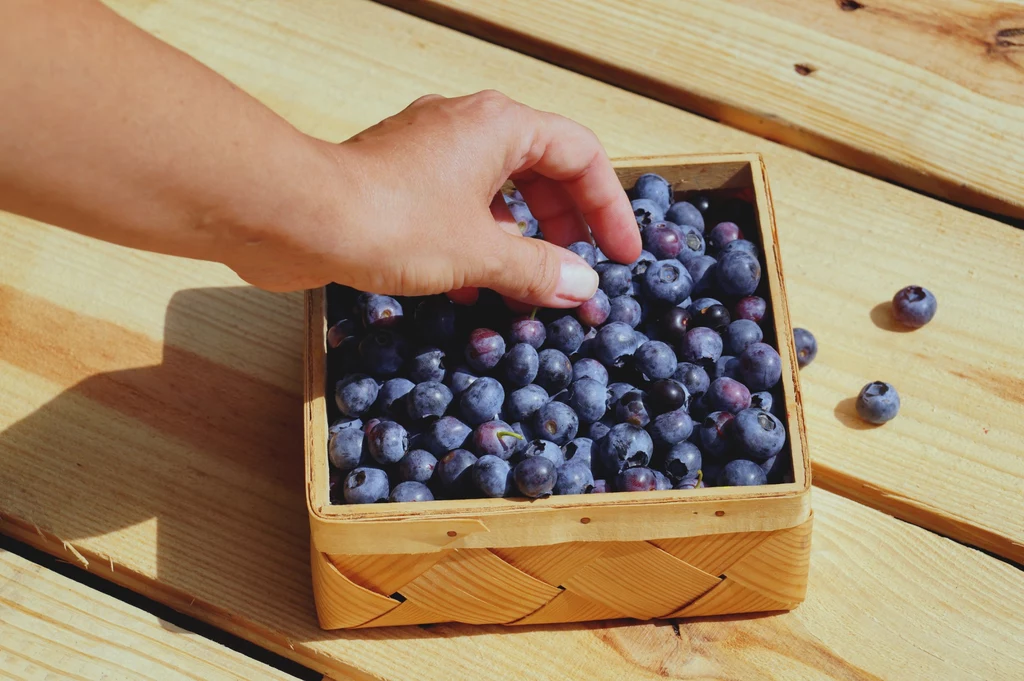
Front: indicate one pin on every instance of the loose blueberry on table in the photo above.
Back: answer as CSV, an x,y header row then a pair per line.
x,y
667,379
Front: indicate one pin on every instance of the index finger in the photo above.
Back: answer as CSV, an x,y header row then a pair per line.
x,y
562,150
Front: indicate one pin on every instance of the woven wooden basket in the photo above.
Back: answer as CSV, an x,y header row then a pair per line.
x,y
640,555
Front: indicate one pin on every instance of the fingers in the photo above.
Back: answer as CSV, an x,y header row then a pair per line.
x,y
551,146
533,271
560,219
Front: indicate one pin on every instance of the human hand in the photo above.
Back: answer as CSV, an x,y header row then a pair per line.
x,y
414,208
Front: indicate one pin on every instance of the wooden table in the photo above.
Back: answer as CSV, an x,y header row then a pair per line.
x,y
150,421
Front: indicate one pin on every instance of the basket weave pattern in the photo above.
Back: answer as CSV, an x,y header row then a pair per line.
x,y
722,574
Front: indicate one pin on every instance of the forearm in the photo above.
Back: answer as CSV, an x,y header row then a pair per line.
x,y
109,132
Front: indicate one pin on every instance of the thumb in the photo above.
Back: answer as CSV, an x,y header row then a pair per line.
x,y
537,272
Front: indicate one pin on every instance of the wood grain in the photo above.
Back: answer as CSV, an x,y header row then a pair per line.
x,y
150,407
951,462
53,627
925,93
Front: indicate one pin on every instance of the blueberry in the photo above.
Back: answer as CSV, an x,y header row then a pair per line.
x,y
624,309
546,449
535,476
355,394
693,245
723,233
343,331
427,364
683,462
418,465
614,343
667,282
751,307
495,438
625,446
761,400
714,433
914,306
555,421
524,218
637,479
462,378
740,334
598,429
695,308
585,250
647,211
742,473
726,366
410,491
671,428
760,366
639,338
589,368
529,331
806,346
555,371
740,245
692,377
444,435
758,435
726,394
523,402
565,334
366,486
617,390
389,398
689,483
521,364
492,476
430,398
685,213
655,360
580,450
588,398
712,316
435,320
878,402
668,395
574,477
641,264
701,269
614,278
595,311
481,401
630,408
381,311
601,486
387,442
454,472
738,273
701,346
653,187
674,324
383,352
661,481
345,444
663,240
484,350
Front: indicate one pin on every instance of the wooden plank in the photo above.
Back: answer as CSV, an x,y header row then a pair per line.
x,y
153,430
848,243
54,627
924,92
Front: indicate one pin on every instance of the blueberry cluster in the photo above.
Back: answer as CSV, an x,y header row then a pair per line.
x,y
668,378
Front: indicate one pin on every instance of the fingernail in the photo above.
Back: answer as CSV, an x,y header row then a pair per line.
x,y
578,282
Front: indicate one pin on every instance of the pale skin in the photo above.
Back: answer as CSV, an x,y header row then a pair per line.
x,y
118,136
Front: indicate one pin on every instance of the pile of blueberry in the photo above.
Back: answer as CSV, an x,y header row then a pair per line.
x,y
668,378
